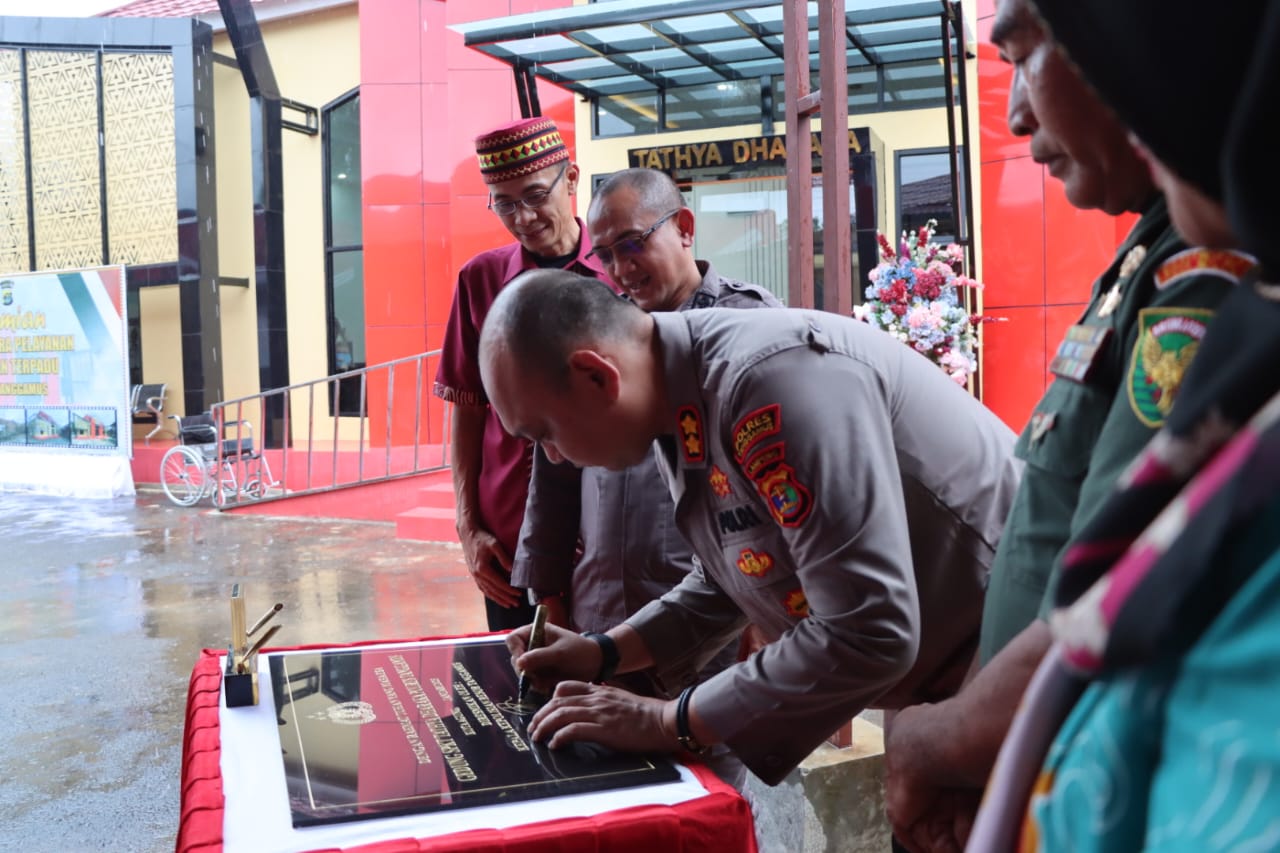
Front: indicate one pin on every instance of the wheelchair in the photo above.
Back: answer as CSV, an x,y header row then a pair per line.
x,y
192,469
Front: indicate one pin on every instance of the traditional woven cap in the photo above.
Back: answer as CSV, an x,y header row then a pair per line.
x,y
1171,69
518,149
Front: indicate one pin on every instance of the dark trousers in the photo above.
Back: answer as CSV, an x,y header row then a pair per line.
x,y
506,618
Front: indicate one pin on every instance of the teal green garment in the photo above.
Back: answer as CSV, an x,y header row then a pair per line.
x,y
1183,755
1071,467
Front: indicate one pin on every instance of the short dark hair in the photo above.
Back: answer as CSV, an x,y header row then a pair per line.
x,y
545,314
656,191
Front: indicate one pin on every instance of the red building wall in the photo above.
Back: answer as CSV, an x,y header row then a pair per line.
x,y
424,97
1040,255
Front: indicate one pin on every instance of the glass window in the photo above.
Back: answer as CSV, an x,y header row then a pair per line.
x,y
344,256
624,115
915,84
924,191
721,104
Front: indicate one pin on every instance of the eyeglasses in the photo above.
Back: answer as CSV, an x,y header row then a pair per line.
x,y
532,200
628,247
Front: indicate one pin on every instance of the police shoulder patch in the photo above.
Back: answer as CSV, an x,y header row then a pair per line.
x,y
754,427
1223,263
689,423
1168,339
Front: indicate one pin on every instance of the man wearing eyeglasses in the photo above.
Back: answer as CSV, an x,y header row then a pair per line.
x,y
631,552
531,187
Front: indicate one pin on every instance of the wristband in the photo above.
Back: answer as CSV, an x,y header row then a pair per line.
x,y
609,656
683,733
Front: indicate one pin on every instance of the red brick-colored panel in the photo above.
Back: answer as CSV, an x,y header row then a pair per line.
x,y
393,270
479,101
473,229
386,343
390,125
521,7
1014,364
440,277
1078,246
434,38
435,336
436,144
985,8
389,43
994,79
1013,232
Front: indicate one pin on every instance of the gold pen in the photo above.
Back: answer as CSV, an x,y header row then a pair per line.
x,y
536,640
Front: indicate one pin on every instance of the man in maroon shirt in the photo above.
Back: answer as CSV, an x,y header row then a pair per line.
x,y
531,187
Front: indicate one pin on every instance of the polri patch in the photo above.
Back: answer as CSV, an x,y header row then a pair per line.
x,y
789,501
1223,263
796,604
689,420
1079,352
754,428
1168,339
738,519
754,564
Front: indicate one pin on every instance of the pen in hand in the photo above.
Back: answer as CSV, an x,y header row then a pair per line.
x,y
535,642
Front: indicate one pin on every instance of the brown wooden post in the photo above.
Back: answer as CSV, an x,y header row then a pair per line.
x,y
795,41
837,275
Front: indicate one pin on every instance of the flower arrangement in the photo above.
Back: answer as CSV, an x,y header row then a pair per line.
x,y
915,296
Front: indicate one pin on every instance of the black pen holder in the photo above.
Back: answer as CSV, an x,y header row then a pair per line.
x,y
240,688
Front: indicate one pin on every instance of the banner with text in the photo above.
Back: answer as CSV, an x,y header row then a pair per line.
x,y
64,372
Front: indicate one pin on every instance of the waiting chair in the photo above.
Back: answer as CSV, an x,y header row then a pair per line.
x,y
147,403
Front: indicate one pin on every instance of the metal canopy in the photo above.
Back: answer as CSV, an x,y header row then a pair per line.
x,y
628,46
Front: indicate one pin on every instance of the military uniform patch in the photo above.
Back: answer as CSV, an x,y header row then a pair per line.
x,y
1221,262
691,444
796,604
1079,351
789,501
1168,339
719,481
754,564
754,428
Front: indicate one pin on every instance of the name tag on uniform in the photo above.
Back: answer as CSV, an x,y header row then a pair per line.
x,y
1079,352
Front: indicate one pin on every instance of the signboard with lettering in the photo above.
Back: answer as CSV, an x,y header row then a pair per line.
x,y
751,150
64,361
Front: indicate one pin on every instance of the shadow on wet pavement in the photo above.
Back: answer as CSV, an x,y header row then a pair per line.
x,y
107,605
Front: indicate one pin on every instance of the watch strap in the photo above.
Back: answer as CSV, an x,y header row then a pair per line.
x,y
609,656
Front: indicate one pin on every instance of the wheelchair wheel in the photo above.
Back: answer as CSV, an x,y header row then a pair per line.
x,y
254,489
184,475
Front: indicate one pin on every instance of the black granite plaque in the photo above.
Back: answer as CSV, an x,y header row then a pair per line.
x,y
384,730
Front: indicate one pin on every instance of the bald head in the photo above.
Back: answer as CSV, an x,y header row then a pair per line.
x,y
567,363
655,192
544,314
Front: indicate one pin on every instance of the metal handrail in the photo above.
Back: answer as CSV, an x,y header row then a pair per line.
x,y
404,453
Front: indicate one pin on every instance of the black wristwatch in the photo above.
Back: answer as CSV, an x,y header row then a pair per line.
x,y
608,655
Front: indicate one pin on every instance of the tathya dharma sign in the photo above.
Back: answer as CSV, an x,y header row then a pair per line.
x,y
731,152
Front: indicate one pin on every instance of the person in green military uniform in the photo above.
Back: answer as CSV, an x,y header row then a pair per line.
x,y
1115,377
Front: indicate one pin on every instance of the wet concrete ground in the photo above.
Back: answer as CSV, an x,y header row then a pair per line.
x,y
105,608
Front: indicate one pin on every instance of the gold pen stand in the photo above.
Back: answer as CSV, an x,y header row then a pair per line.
x,y
240,677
